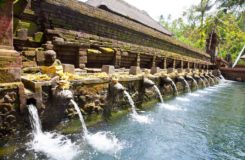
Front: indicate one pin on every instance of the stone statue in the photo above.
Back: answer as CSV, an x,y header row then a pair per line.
x,y
52,66
228,58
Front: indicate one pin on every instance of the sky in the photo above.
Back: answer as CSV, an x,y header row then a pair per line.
x,y
155,8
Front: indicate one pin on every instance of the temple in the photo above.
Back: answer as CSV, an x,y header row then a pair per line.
x,y
51,46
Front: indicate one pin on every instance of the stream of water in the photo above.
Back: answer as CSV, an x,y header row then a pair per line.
x,y
175,88
158,92
102,141
187,86
187,127
135,115
49,144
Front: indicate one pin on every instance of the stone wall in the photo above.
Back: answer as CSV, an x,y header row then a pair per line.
x,y
73,47
235,74
81,17
11,102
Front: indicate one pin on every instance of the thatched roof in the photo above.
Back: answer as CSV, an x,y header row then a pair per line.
x,y
124,9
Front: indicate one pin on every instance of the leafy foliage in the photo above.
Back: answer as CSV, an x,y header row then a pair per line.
x,y
196,24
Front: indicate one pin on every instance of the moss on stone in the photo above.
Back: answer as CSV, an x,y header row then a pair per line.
x,y
19,6
16,23
7,150
29,11
74,126
38,37
31,26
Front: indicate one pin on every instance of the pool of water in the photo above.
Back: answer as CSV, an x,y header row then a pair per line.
x,y
205,124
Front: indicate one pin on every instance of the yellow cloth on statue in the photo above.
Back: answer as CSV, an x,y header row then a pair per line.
x,y
55,69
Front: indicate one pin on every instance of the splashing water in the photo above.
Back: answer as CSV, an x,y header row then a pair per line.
x,y
187,85
203,82
158,92
131,102
194,94
203,92
65,93
222,77
172,107
195,82
207,81
184,99
55,146
216,79
85,130
212,80
135,115
175,88
104,142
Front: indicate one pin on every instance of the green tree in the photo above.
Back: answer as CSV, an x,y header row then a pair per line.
x,y
227,25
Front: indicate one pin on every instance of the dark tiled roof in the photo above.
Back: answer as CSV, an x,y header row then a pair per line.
x,y
123,8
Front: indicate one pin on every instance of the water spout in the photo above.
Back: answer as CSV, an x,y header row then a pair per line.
x,y
187,85
158,92
148,83
85,130
119,87
131,102
217,80
222,77
204,84
135,115
104,142
211,79
206,81
193,80
55,146
169,80
182,79
35,120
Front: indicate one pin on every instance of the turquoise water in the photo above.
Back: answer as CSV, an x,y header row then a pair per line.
x,y
205,124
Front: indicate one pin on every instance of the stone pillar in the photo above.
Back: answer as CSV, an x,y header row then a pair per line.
x,y
12,99
154,68
117,59
6,24
138,60
154,61
194,65
134,70
83,59
181,64
165,63
174,63
10,60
